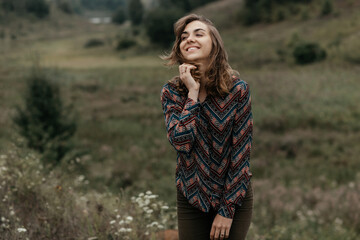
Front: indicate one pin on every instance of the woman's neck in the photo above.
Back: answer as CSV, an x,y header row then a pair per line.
x,y
203,78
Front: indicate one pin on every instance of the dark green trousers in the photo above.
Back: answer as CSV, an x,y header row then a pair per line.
x,y
194,224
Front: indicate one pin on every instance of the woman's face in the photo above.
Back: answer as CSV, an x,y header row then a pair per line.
x,y
196,43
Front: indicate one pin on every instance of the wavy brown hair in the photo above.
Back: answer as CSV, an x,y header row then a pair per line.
x,y
218,71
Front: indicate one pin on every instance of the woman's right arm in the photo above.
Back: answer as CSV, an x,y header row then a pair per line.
x,y
181,120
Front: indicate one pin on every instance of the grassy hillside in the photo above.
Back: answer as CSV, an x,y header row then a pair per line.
x,y
305,159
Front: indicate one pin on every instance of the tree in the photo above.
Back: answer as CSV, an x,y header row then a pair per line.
x,y
159,25
119,16
44,121
136,11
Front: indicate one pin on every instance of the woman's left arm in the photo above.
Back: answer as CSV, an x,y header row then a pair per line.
x,y
238,175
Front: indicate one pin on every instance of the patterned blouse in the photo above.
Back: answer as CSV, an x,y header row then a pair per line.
x,y
213,142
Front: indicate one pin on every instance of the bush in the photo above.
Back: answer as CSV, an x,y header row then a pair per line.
x,y
305,53
327,8
44,121
37,7
125,44
255,11
65,6
94,42
119,16
159,25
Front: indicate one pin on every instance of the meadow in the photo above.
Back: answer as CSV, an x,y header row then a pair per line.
x,y
305,159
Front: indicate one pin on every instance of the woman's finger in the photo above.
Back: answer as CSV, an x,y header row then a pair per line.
x,y
227,232
217,233
222,234
212,232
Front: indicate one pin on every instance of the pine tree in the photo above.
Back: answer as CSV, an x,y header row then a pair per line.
x,y
136,11
44,121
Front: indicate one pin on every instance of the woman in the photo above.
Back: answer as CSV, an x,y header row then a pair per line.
x,y
209,122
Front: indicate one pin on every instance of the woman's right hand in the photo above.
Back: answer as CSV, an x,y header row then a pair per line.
x,y
187,79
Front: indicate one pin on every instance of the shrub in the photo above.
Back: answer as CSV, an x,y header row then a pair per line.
x,y
125,44
65,6
119,16
255,11
159,25
44,121
37,7
327,8
94,42
7,5
305,53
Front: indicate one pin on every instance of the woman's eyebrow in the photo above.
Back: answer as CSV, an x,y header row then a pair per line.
x,y
196,30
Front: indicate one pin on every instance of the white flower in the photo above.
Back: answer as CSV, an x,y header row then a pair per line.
x,y
149,211
165,207
118,216
148,192
128,219
128,230
121,222
112,222
20,230
122,230
81,178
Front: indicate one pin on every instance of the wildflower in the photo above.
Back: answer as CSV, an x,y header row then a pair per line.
x,y
81,178
165,207
149,211
122,230
128,219
128,230
152,196
121,222
112,221
20,230
118,216
148,192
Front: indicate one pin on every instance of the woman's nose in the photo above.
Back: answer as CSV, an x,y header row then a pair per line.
x,y
190,38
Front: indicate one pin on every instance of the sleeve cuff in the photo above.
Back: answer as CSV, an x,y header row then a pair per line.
x,y
190,104
227,211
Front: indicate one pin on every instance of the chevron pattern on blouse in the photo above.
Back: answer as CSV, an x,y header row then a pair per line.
x,y
213,143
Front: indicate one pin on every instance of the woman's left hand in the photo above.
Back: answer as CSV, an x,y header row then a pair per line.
x,y
220,228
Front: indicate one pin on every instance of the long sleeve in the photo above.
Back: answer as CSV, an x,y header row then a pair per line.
x,y
180,119
238,175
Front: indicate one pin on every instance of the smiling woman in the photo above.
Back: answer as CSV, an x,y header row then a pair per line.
x,y
208,118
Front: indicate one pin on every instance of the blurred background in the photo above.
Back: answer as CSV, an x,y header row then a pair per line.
x,y
83,147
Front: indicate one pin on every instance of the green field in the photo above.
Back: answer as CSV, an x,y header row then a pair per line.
x,y
305,159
